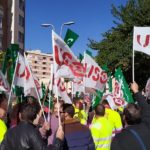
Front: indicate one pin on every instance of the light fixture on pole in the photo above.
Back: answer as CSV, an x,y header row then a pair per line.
x,y
46,25
66,23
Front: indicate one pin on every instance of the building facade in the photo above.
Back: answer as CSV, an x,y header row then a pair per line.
x,y
40,64
13,23
1,30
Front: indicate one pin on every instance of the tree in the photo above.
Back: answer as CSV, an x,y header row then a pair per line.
x,y
116,47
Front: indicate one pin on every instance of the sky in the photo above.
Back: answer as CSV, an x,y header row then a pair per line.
x,y
91,17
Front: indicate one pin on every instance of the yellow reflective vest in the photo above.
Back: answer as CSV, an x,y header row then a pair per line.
x,y
101,130
81,115
3,130
115,120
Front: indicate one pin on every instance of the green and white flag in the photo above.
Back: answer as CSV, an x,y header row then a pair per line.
x,y
126,94
97,98
70,37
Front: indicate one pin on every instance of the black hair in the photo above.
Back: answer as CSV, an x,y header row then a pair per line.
x,y
3,101
68,108
29,111
100,110
132,114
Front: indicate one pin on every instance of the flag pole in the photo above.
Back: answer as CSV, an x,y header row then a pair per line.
x,y
50,94
35,88
72,90
133,66
56,88
13,81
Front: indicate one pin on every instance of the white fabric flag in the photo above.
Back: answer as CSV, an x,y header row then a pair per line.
x,y
61,90
23,77
95,77
65,59
4,85
32,92
141,39
147,89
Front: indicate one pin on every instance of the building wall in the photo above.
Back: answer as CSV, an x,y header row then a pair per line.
x,y
18,22
40,64
1,29
13,28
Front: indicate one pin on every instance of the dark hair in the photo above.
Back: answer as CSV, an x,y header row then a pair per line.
x,y
29,111
3,101
76,99
68,108
105,102
132,114
100,110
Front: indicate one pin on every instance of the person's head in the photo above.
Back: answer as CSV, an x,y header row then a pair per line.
x,y
100,110
29,112
3,105
68,111
132,114
78,102
105,103
57,106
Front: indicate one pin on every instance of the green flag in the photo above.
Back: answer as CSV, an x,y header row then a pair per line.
x,y
10,61
124,86
80,57
97,98
89,53
70,37
43,90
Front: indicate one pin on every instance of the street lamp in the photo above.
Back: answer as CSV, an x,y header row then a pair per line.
x,y
46,25
66,23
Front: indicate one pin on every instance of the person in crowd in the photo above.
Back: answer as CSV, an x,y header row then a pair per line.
x,y
3,107
101,129
54,121
80,111
136,134
114,118
77,136
25,136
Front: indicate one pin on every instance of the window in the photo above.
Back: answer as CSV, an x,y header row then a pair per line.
x,y
21,21
20,37
21,4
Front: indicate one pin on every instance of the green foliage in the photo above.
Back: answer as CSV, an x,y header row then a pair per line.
x,y
115,49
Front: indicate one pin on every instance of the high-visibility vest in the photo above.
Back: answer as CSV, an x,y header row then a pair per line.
x,y
81,115
115,120
3,130
101,130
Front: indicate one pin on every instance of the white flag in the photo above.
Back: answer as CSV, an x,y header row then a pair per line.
x,y
141,39
147,89
4,86
60,90
95,77
24,78
63,57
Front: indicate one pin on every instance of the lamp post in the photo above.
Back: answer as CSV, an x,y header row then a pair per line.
x,y
66,23
46,25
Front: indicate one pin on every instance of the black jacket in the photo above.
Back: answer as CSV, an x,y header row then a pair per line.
x,y
25,137
126,140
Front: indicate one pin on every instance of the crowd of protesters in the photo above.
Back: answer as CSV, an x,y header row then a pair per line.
x,y
75,126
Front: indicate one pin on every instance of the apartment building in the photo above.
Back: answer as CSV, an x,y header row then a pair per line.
x,y
13,23
40,64
1,30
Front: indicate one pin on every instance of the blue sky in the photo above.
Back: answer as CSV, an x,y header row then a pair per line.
x,y
91,17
